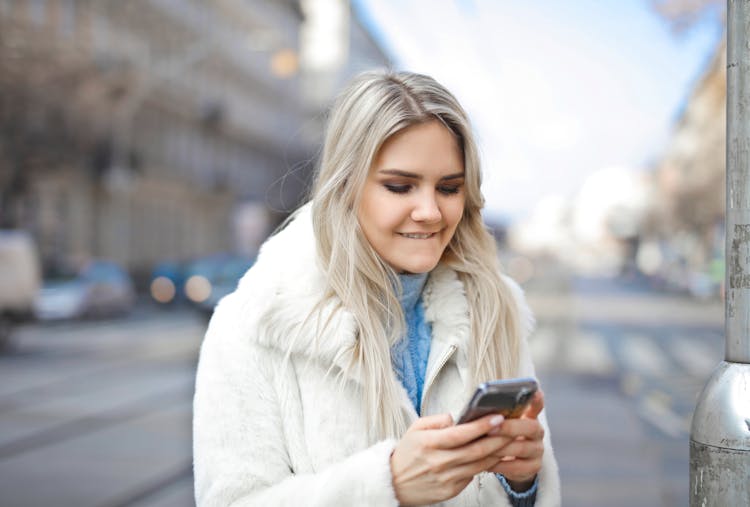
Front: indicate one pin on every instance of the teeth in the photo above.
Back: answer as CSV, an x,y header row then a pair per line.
x,y
417,236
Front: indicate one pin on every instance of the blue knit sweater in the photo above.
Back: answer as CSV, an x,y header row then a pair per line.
x,y
409,357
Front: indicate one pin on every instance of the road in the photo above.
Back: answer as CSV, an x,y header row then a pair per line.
x,y
622,367
98,413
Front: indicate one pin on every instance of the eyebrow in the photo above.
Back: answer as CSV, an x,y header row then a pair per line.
x,y
407,174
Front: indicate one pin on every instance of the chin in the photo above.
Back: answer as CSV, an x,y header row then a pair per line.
x,y
418,267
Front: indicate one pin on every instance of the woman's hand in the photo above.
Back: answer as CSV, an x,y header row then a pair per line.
x,y
435,460
521,459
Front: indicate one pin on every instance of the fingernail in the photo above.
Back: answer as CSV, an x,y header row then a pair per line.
x,y
497,420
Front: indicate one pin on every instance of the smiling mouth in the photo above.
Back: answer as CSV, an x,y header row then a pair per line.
x,y
423,235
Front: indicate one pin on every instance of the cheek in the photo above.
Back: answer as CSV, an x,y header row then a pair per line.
x,y
366,206
373,216
383,212
455,212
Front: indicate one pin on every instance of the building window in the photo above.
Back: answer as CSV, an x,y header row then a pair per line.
x,y
37,11
68,18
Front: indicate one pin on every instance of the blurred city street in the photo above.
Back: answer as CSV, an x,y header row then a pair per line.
x,y
621,367
98,413
149,148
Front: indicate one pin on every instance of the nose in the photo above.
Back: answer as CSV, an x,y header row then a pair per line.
x,y
426,209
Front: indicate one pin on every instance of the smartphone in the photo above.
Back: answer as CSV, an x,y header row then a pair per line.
x,y
507,397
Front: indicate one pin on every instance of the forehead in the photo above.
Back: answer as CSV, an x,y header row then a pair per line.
x,y
428,146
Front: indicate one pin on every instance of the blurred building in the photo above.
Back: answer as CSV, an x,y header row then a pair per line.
x,y
687,219
134,130
594,232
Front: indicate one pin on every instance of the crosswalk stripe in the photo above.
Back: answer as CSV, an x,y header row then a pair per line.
x,y
587,353
655,410
544,345
641,354
695,356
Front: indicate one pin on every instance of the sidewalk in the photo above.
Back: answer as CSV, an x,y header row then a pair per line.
x,y
602,447
608,455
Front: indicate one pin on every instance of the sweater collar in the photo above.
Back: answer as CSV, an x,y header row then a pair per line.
x,y
411,289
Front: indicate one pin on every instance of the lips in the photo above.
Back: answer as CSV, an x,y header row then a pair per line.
x,y
417,235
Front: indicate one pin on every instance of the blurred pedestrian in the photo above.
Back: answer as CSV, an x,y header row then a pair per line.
x,y
332,374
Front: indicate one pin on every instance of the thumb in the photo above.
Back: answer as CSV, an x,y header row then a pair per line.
x,y
536,405
432,422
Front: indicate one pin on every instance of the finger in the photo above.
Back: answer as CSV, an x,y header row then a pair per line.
x,y
477,450
531,429
462,434
432,422
523,449
536,405
468,470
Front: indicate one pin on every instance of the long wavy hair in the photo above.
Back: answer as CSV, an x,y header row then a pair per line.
x,y
375,106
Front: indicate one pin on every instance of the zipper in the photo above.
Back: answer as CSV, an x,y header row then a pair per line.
x,y
432,378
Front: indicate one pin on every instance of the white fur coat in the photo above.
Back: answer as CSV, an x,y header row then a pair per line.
x,y
267,435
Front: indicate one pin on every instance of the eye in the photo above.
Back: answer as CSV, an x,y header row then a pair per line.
x,y
397,189
449,189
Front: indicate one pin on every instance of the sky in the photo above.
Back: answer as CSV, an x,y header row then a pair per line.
x,y
556,89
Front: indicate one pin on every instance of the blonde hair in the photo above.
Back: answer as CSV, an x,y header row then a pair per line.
x,y
375,106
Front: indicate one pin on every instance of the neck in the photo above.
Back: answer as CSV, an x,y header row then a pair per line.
x,y
411,286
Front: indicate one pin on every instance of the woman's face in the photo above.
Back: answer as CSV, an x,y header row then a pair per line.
x,y
414,197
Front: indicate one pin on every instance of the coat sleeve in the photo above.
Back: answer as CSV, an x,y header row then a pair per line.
x,y
239,447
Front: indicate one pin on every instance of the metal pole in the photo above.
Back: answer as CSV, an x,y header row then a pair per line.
x,y
720,433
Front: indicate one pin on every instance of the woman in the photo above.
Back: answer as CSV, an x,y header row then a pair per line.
x,y
332,375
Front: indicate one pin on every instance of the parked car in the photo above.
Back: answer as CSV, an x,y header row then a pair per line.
x,y
167,282
209,279
99,289
20,279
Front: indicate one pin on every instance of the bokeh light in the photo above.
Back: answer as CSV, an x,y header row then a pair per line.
x,y
162,289
197,288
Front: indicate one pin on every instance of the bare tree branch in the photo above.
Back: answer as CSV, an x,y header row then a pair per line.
x,y
682,15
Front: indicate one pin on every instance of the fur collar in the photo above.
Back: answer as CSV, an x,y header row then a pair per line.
x,y
278,292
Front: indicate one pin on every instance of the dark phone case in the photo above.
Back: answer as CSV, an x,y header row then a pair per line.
x,y
506,397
